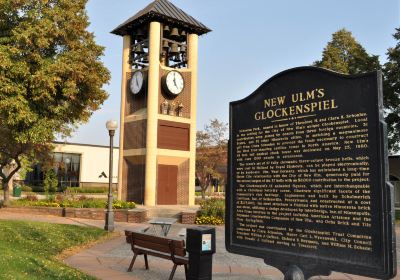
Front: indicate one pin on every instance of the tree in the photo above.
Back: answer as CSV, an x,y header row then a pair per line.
x,y
51,77
345,55
211,152
391,72
50,183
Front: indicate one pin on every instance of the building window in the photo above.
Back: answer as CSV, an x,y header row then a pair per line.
x,y
67,167
396,184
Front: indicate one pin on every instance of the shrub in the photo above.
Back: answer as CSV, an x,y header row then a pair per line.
x,y
51,198
83,203
93,203
50,182
118,204
62,201
46,204
88,190
37,188
43,203
212,211
214,207
31,197
209,220
26,188
82,197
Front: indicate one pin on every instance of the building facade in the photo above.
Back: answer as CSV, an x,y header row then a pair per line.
x,y
78,165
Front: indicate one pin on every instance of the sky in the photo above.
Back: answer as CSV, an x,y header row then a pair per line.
x,y
250,42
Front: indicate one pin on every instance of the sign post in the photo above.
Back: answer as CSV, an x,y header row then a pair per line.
x,y
308,183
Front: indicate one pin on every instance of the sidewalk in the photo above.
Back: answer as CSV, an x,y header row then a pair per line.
x,y
110,260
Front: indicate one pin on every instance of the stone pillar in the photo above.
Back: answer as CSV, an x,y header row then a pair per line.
x,y
192,65
125,69
152,114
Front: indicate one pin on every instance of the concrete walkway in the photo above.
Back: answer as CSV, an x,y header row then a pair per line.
x,y
110,260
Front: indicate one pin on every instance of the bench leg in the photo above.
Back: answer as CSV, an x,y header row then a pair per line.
x,y
146,261
172,272
132,262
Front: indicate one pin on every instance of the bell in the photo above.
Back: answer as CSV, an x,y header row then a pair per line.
x,y
183,34
183,48
145,59
174,49
139,33
139,49
174,33
176,58
165,45
166,29
184,58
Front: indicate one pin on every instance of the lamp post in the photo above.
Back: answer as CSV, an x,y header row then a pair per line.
x,y
109,226
67,161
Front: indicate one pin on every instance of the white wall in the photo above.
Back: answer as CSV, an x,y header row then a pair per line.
x,y
94,160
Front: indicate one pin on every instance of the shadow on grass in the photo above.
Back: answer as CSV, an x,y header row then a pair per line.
x,y
30,250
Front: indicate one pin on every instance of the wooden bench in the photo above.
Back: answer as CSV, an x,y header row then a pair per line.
x,y
157,246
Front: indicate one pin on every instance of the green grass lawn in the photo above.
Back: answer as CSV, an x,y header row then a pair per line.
x,y
28,250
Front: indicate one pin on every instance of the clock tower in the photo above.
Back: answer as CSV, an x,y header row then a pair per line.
x,y
158,105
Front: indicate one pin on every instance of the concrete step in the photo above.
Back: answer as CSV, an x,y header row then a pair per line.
x,y
167,211
163,213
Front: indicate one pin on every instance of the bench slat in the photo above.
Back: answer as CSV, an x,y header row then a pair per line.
x,y
159,247
141,250
158,239
152,246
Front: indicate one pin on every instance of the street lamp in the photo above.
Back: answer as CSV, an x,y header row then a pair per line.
x,y
109,226
67,161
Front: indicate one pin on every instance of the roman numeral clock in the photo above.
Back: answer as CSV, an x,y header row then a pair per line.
x,y
158,105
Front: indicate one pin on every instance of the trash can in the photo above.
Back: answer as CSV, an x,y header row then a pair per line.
x,y
200,244
17,191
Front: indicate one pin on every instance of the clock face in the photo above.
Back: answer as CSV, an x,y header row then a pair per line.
x,y
136,83
174,82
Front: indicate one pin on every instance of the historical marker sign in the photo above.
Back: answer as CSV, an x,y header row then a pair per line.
x,y
308,175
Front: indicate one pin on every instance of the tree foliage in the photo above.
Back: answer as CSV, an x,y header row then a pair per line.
x,y
345,55
391,72
211,152
50,182
51,76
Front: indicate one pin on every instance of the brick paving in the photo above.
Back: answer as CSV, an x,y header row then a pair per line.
x,y
110,260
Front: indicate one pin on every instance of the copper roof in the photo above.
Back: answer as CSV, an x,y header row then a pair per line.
x,y
165,12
